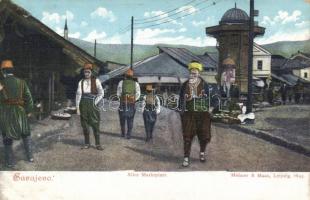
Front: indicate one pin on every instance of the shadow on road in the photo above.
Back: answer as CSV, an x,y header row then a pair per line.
x,y
164,157
118,135
72,142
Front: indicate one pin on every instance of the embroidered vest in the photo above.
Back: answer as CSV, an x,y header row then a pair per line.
x,y
128,91
129,87
93,86
194,97
150,102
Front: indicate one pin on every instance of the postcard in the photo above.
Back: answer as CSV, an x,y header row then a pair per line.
x,y
140,99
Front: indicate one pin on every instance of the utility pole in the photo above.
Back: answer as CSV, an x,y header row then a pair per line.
x,y
250,58
95,49
131,46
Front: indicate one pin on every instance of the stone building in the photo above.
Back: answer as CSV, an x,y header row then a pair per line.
x,y
232,35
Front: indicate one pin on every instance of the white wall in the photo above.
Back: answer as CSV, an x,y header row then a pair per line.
x,y
261,54
300,73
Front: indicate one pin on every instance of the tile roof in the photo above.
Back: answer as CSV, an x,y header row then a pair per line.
x,y
184,56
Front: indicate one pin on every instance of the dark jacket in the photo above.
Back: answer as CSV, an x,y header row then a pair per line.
x,y
208,89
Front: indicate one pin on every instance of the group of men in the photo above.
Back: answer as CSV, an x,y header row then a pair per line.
x,y
290,92
16,105
129,92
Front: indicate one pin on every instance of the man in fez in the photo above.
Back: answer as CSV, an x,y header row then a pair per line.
x,y
128,90
16,105
228,75
196,120
88,95
151,108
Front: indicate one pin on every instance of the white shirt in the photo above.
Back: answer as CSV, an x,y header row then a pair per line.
x,y
120,89
157,104
87,89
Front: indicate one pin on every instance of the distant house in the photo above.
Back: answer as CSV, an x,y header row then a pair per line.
x,y
283,70
261,62
303,70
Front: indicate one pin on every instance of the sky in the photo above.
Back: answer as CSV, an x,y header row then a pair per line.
x,y
166,21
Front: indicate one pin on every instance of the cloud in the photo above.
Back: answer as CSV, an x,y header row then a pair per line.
x,y
176,23
282,17
74,35
60,31
158,13
303,24
94,35
198,23
267,21
181,30
84,24
103,38
104,13
208,21
69,15
286,18
149,33
156,36
56,22
56,18
159,16
287,36
187,9
51,17
116,39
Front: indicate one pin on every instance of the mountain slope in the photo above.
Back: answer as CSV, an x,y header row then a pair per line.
x,y
288,48
121,52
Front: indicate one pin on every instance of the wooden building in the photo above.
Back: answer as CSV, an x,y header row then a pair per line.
x,y
232,41
167,70
303,70
284,70
39,54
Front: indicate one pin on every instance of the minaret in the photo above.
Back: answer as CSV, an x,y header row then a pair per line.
x,y
66,31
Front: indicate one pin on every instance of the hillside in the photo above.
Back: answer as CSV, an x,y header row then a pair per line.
x,y
121,52
286,49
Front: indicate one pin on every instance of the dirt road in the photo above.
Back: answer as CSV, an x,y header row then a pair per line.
x,y
229,150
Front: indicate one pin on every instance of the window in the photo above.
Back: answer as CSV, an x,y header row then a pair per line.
x,y
305,75
260,65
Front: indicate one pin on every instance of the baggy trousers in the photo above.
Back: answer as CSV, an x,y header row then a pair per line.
x,y
126,114
90,117
8,148
149,118
196,123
